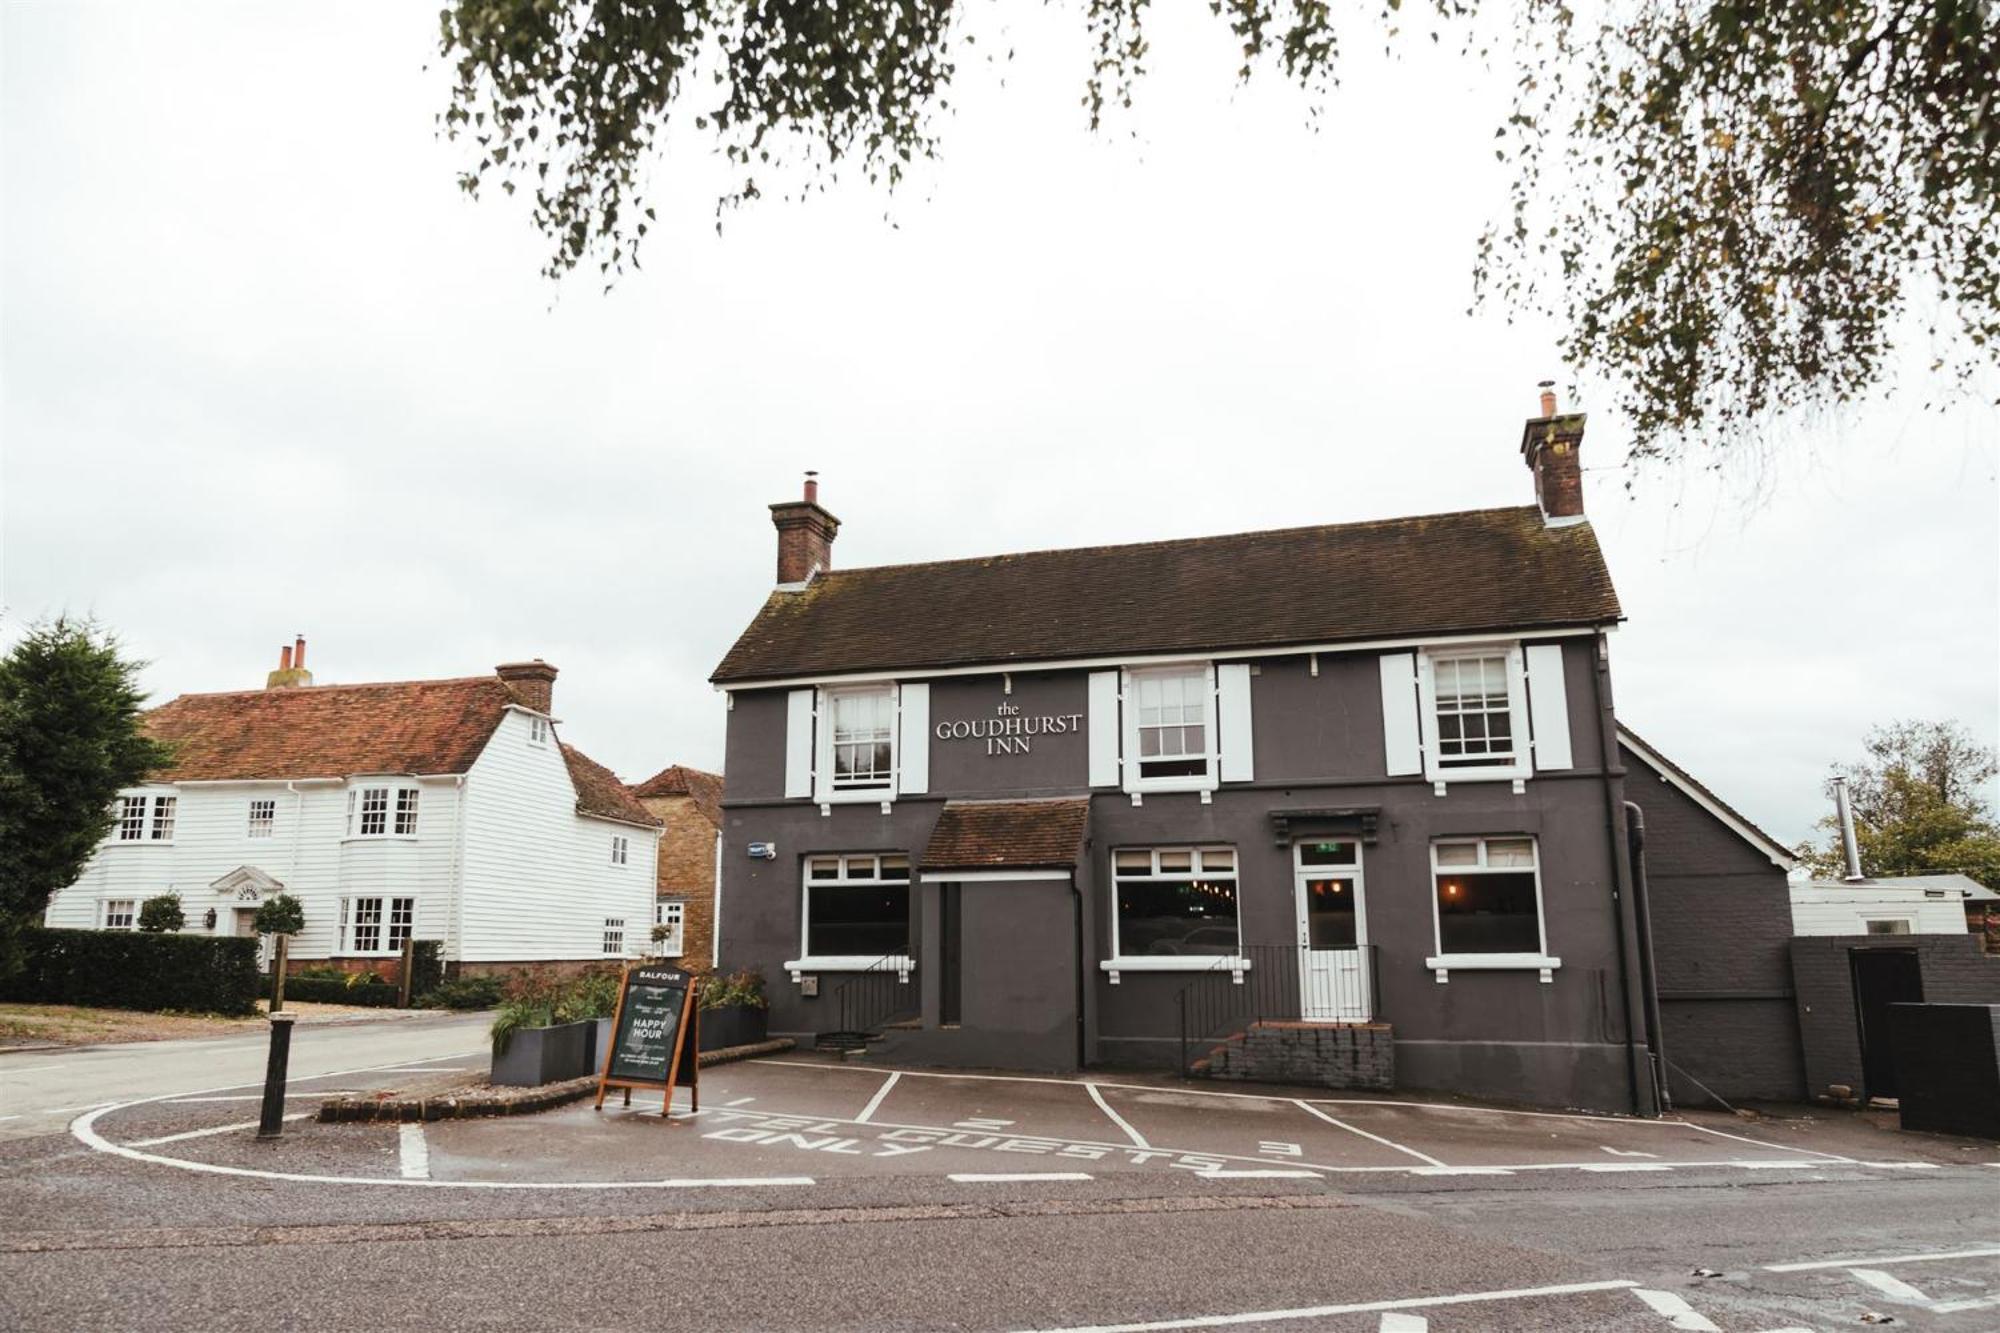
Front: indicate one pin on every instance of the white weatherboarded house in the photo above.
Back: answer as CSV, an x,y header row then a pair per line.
x,y
447,809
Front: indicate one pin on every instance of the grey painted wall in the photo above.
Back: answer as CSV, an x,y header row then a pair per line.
x,y
1722,926
1319,744
1954,972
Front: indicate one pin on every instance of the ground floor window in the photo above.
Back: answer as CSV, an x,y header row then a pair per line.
x,y
1175,902
857,907
614,936
121,914
671,920
376,925
1488,896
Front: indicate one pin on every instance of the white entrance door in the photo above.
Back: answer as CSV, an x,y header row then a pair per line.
x,y
1334,978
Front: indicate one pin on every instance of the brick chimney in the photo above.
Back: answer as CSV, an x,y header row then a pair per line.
x,y
805,536
1549,446
291,670
533,684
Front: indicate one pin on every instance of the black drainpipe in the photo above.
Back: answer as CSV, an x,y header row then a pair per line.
x,y
1649,977
1607,730
1076,927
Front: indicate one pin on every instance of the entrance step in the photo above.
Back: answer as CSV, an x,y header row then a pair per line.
x,y
1320,1055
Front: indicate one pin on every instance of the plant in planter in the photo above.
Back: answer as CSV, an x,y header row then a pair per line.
x,y
548,1028
162,914
734,1010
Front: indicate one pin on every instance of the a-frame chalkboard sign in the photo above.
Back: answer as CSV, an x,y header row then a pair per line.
x,y
655,1035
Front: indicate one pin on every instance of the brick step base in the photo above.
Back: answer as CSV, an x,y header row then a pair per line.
x,y
1320,1055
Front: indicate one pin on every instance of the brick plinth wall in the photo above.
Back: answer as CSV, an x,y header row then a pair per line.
x,y
1323,1055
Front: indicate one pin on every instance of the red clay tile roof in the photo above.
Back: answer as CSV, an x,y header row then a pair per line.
x,y
1015,835
1489,569
324,731
703,788
330,731
599,792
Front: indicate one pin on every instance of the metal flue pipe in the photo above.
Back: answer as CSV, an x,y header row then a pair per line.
x,y
1848,846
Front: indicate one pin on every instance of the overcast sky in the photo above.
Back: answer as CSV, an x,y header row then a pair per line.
x,y
267,371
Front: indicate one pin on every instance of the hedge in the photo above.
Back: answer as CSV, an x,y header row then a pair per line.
x,y
325,990
118,969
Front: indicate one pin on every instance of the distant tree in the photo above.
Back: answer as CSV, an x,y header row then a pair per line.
x,y
162,914
70,739
280,914
1729,206
1919,806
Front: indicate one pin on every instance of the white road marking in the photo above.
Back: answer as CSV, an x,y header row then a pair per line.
x,y
413,1154
1138,1139
1312,1110
984,1123
740,1101
1893,1287
875,1102
1002,1177
1757,1164
1626,1152
1612,1167
212,1129
1884,1261
31,1069
1678,1312
71,1110
1901,1166
1442,1170
1974,1303
1265,1173
1360,1307
9,1117
1394,1321
1723,1134
1279,1149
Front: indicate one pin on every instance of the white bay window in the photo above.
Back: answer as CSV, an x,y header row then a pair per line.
x,y
382,810
376,925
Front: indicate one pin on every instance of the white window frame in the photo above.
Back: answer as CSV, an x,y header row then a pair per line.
x,y
538,730
388,907
613,941
1236,964
1443,963
131,819
1129,682
1515,767
672,912
166,812
808,961
620,849
263,817
825,790
401,804
1868,924
131,913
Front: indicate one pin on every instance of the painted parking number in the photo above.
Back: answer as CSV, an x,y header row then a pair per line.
x,y
1277,1149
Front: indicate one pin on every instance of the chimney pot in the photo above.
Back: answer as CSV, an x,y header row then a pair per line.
x,y
299,653
1549,445
285,658
805,535
1548,388
291,667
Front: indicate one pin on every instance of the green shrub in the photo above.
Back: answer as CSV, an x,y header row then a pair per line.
x,y
280,915
427,969
744,987
119,969
540,998
362,988
464,993
162,914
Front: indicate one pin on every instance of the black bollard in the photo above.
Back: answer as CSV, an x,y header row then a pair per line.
x,y
272,1122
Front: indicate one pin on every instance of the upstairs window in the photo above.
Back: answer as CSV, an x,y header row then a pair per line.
x,y
619,849
1170,717
131,818
263,818
377,811
121,914
864,731
163,818
1475,717
538,730
406,811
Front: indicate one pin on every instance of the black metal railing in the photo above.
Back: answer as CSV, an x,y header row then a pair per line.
x,y
1267,983
869,1001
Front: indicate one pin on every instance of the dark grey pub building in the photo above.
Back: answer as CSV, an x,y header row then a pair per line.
x,y
1342,803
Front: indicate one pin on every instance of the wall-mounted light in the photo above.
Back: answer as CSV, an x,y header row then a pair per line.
x,y
208,919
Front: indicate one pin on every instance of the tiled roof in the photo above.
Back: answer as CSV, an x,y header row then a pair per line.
x,y
703,788
1490,569
599,792
1014,835
324,731
422,727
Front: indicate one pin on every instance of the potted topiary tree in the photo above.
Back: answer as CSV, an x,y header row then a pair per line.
x,y
734,1011
162,915
280,916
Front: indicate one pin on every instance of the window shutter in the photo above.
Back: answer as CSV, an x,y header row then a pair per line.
x,y
1402,736
1548,706
1232,711
799,743
913,738
1103,722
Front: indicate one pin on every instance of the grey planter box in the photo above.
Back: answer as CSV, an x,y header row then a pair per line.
x,y
596,1041
733,1025
534,1056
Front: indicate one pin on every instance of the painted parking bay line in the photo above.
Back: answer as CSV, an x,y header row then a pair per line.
x,y
1883,1262
1359,1307
1312,1110
413,1154
1677,1311
1138,1139
212,1129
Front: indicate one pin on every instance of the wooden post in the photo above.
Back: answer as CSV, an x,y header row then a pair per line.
x,y
409,971
278,973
